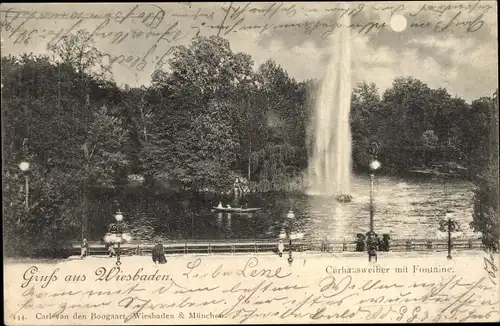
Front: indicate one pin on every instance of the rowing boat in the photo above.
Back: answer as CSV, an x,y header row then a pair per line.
x,y
236,209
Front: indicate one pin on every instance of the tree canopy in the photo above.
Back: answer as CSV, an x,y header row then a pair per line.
x,y
208,118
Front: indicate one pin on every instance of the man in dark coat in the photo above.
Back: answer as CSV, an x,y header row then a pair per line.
x,y
159,253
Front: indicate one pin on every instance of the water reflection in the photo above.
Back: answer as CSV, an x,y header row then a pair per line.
x,y
402,208
228,223
335,218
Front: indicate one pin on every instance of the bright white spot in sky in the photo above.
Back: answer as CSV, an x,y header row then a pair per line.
x,y
398,23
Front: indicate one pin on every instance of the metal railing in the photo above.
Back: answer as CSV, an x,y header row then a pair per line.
x,y
262,246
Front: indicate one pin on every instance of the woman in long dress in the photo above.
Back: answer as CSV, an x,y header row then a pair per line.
x,y
281,247
159,253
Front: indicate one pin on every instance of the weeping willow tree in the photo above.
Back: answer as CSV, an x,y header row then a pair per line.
x,y
272,163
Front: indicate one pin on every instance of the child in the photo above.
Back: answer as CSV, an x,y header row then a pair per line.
x,y
85,248
111,249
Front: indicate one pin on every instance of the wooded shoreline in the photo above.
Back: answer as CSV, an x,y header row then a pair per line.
x,y
208,119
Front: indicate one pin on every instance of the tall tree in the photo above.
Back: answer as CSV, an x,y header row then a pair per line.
x,y
102,157
79,51
406,105
50,118
280,112
199,89
486,194
365,120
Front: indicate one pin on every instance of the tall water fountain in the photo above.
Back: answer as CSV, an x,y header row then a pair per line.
x,y
330,158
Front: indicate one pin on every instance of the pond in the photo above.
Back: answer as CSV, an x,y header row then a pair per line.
x,y
404,208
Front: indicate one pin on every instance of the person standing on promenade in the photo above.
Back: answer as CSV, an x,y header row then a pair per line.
x,y
159,253
110,240
281,247
85,248
111,249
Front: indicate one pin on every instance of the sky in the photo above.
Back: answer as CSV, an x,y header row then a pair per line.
x,y
453,45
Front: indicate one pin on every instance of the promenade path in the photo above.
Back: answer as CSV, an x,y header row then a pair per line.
x,y
254,288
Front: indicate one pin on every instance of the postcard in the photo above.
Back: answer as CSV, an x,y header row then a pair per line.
x,y
250,162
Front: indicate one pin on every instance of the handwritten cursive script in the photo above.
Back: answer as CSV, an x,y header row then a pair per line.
x,y
254,290
153,30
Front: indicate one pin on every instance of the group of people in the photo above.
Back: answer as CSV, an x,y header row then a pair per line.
x,y
229,206
110,247
222,206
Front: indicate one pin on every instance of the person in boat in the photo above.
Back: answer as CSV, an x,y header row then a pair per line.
x,y
159,253
228,206
281,247
220,205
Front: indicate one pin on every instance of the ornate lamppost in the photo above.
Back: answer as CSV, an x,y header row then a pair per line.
x,y
290,216
449,225
374,166
118,229
24,167
293,236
